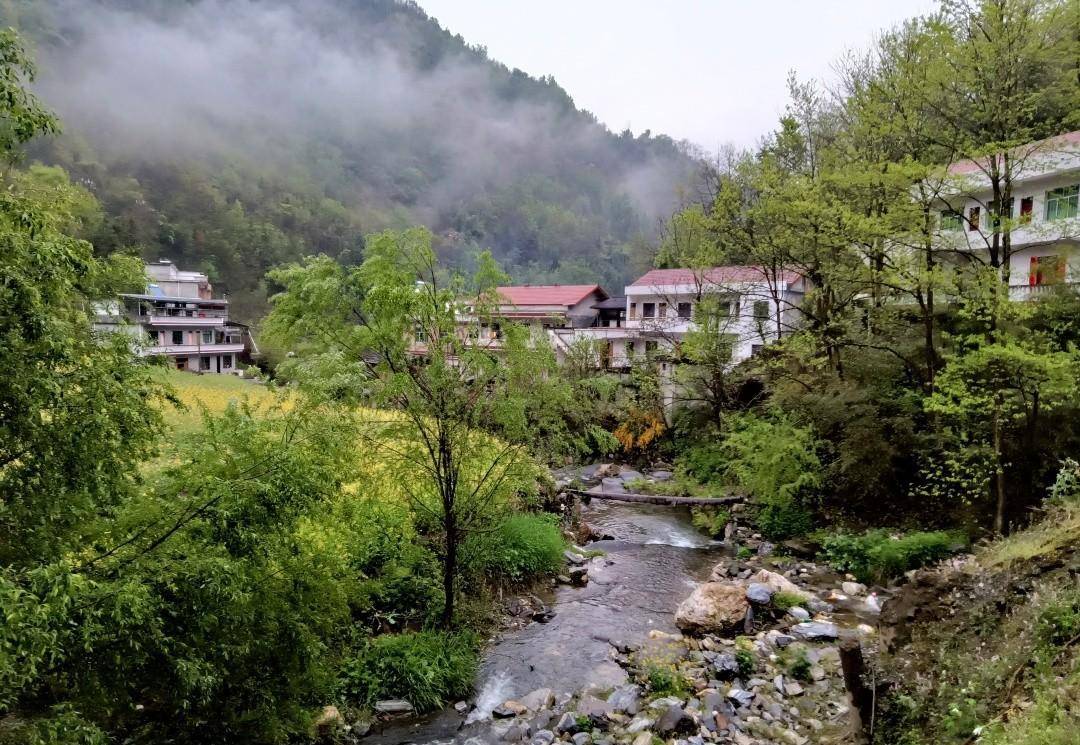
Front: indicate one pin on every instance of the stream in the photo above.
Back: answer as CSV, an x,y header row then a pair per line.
x,y
653,558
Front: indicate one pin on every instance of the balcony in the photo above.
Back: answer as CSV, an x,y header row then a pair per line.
x,y
194,349
184,321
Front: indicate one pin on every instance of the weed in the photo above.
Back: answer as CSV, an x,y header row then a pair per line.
x,y
786,600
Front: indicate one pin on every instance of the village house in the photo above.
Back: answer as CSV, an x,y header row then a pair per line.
x,y
1042,214
179,318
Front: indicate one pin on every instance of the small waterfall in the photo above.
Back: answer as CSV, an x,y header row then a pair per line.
x,y
495,690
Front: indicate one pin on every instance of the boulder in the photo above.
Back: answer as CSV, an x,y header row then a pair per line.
x,y
713,607
643,738
725,665
799,614
759,593
855,589
508,709
581,738
661,475
329,719
543,737
613,486
567,723
815,630
673,719
461,707
627,698
574,558
778,583
594,708
605,470
539,699
516,732
393,706
579,576
630,475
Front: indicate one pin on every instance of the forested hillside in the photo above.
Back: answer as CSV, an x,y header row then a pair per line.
x,y
234,135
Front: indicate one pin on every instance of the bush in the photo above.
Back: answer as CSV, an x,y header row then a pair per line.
x,y
786,600
663,679
428,669
877,555
522,547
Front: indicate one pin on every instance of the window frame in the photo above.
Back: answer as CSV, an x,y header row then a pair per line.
x,y
1064,199
645,310
689,312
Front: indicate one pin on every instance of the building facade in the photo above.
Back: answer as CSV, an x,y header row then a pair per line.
x,y
178,318
1042,215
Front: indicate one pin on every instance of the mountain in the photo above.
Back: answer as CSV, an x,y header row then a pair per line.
x,y
233,135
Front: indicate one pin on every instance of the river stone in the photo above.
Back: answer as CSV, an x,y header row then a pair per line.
x,y
582,738
725,665
594,708
713,607
627,698
799,614
542,720
814,630
516,732
508,709
778,583
461,707
759,593
393,706
854,589
638,724
573,557
567,723
539,699
673,719
543,737
643,738
612,485
661,475
630,475
579,576
740,697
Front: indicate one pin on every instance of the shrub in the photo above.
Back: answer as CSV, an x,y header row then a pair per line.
x,y
523,546
663,679
877,555
428,669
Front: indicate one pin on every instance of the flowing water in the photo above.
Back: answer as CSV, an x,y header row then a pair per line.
x,y
651,562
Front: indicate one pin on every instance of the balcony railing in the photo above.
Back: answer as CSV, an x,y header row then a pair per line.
x,y
194,349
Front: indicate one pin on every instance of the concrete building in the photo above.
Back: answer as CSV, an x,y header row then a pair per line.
x,y
1043,214
179,318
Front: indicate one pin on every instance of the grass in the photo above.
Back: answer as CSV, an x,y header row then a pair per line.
x,y
1059,529
879,555
787,600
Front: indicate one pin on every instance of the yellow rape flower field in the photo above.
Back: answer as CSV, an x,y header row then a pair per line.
x,y
214,392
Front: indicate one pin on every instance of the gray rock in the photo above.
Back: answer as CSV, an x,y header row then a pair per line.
x,y
815,630
638,724
740,697
674,719
627,698
799,614
516,732
613,486
579,576
759,593
630,475
817,672
508,709
573,557
539,699
855,589
461,707
543,737
567,723
643,738
792,688
725,665
765,549
393,706
542,720
582,738
783,640
661,475
594,708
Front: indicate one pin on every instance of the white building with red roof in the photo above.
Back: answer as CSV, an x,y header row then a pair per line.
x,y
1043,214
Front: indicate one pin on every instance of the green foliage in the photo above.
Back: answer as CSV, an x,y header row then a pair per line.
x,y
786,600
427,668
710,520
880,555
663,679
747,662
799,666
520,548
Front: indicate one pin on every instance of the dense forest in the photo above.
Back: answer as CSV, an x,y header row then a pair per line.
x,y
202,147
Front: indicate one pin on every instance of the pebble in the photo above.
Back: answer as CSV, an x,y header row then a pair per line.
x,y
799,614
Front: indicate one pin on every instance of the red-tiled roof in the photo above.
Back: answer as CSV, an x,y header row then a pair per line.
x,y
521,295
719,275
1069,141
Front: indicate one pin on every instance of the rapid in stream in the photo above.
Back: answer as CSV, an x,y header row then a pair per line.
x,y
653,558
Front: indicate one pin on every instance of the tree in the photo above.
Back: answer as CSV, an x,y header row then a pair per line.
x,y
386,333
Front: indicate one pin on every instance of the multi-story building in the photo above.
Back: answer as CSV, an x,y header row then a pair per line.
x,y
179,318
1042,216
748,305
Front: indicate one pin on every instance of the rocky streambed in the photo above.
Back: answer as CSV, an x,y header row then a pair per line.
x,y
663,633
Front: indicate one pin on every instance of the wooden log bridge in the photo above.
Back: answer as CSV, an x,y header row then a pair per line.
x,y
658,498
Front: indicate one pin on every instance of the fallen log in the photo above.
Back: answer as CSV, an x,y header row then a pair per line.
x,y
658,498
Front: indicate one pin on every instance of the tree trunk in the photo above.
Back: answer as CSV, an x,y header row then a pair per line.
x,y
449,573
999,471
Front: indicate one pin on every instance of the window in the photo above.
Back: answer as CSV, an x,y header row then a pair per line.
x,y
633,310
226,361
177,338
181,363
663,310
204,363
1046,270
648,310
1061,203
951,220
761,309
755,349
629,349
685,310
724,309
1027,206
208,337
650,347
997,215
155,339
973,219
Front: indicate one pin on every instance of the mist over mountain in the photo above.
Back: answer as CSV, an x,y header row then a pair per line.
x,y
237,134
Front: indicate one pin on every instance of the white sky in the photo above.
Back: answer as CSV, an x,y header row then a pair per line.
x,y
711,71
